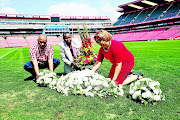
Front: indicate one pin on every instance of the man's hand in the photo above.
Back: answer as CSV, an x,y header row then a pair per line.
x,y
36,68
75,66
72,63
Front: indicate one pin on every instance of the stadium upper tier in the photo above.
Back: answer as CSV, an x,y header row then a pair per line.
x,y
24,21
147,11
151,34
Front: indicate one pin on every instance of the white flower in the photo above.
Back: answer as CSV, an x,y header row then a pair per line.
x,y
149,94
153,84
41,77
136,94
137,83
41,73
45,71
105,84
131,91
97,88
156,91
144,95
150,90
87,84
51,74
157,97
89,88
144,88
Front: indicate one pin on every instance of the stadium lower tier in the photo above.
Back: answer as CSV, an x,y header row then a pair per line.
x,y
19,41
156,34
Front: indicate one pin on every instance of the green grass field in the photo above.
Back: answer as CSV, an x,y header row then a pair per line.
x,y
21,100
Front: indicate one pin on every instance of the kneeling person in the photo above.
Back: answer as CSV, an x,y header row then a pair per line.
x,y
41,55
69,49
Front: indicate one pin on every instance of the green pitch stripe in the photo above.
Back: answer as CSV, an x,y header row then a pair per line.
x,y
8,53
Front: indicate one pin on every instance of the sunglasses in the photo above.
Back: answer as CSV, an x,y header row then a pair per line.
x,y
42,42
99,40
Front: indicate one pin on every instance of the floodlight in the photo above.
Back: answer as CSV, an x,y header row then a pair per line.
x,y
149,2
135,6
169,0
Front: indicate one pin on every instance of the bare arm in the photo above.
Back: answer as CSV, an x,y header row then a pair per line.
x,y
96,66
117,70
50,61
36,68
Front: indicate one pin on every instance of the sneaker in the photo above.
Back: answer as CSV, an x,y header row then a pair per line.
x,y
140,76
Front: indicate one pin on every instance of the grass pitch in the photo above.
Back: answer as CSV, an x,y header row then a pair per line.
x,y
158,60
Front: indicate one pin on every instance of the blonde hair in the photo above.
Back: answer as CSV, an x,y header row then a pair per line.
x,y
104,35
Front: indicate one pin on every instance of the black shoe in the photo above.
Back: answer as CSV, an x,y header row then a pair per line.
x,y
139,74
34,79
29,78
132,73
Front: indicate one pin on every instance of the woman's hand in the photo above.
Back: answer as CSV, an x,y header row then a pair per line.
x,y
96,66
113,82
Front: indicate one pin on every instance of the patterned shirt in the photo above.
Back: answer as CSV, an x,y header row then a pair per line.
x,y
41,55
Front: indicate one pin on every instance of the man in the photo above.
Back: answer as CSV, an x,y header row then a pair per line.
x,y
41,55
68,49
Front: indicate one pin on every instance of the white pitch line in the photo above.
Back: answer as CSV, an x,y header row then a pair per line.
x,y
8,53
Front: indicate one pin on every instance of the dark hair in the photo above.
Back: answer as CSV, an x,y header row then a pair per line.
x,y
65,34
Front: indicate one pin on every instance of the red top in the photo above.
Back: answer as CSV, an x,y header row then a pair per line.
x,y
41,55
117,53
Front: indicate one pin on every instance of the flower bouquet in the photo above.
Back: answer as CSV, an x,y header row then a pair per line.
x,y
87,83
86,56
47,78
146,91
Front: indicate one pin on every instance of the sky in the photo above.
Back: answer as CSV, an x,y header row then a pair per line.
x,y
64,7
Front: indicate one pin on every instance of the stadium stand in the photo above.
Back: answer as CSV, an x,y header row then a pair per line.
x,y
166,34
142,16
16,41
121,18
138,35
125,36
172,11
53,40
151,34
14,26
140,20
117,35
129,18
147,20
3,43
158,11
31,40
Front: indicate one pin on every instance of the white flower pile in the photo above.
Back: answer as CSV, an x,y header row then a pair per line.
x,y
146,91
84,82
87,83
47,78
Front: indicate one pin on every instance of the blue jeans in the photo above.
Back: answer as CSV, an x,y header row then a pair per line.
x,y
29,67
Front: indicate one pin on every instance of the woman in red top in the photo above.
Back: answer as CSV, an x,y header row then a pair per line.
x,y
121,58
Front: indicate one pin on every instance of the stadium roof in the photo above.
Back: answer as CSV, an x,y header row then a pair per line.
x,y
142,4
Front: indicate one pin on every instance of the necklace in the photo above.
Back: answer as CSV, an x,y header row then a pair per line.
x,y
108,47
